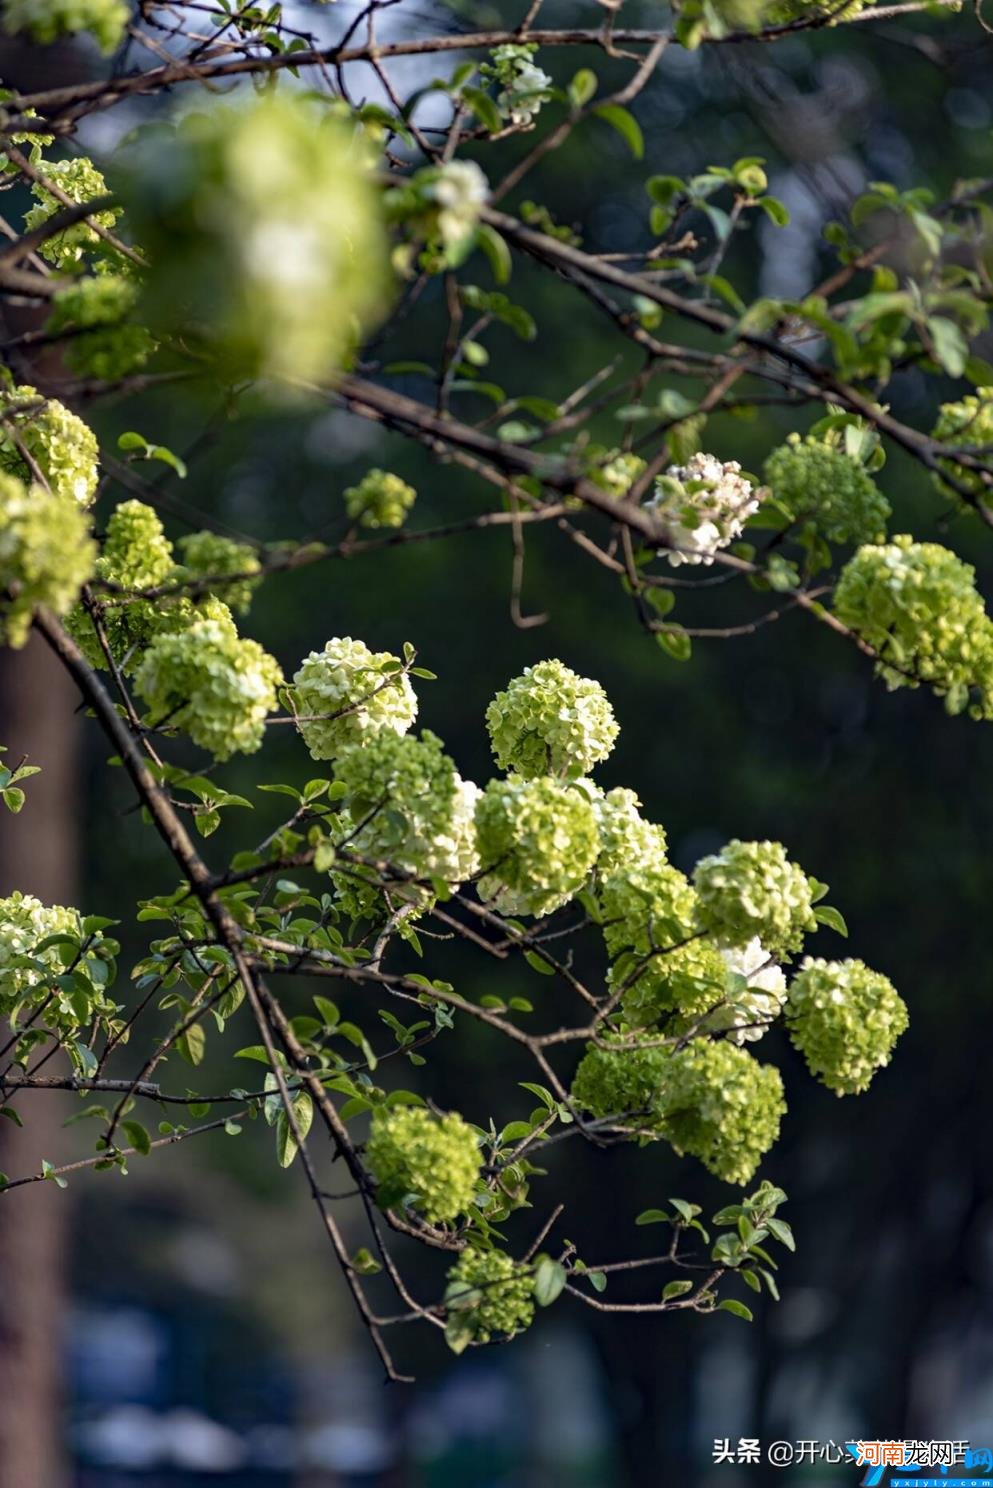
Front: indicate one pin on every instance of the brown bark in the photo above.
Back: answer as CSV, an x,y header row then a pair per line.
x,y
38,856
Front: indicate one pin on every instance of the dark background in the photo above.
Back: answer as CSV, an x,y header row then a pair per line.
x,y
204,1314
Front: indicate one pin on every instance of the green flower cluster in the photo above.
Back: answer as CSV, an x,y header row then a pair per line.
x,y
710,1099
46,554
497,1291
407,793
813,480
264,232
27,973
968,423
650,928
752,889
214,684
379,500
917,606
622,1081
93,316
47,20
721,1106
345,694
209,555
62,448
435,1158
845,1020
136,554
80,181
627,840
550,721
538,840
614,470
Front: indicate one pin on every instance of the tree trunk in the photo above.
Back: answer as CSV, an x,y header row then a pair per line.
x,y
38,856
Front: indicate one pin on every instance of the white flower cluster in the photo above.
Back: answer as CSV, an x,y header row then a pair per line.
x,y
754,1002
525,85
345,693
702,507
456,191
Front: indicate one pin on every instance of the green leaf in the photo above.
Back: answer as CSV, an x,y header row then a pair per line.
x,y
459,1331
286,1142
782,1232
13,798
626,125
253,1051
597,1280
538,963
496,251
138,1137
549,1279
484,108
736,1308
192,1043
48,1171
328,1011
674,642
775,211
582,87
826,914
653,1216
676,1289
11,1115
365,1263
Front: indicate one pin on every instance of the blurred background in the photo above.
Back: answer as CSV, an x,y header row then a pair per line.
x,y
185,1325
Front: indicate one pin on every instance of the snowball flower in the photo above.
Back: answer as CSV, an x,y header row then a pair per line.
x,y
496,1290
457,189
212,683
722,1106
538,839
46,21
845,1020
264,234
31,990
525,85
46,554
210,555
549,720
345,693
966,423
136,555
379,500
79,180
702,506
94,318
917,606
63,448
434,1159
411,800
815,481
627,840
756,995
751,889
622,1081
